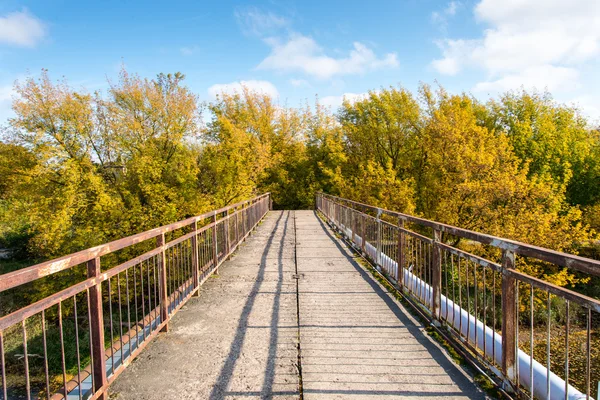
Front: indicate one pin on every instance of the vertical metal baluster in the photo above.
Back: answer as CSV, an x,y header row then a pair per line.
x,y
510,317
423,272
95,377
143,300
178,264
378,250
196,255
169,254
77,346
128,311
453,290
589,351
205,251
3,365
171,277
517,329
214,243
120,317
150,309
45,344
494,317
135,304
112,339
413,254
26,359
177,274
459,297
531,342
475,314
567,349
447,284
401,253
188,259
435,258
548,325
62,349
156,286
485,357
418,263
188,270
184,269
468,299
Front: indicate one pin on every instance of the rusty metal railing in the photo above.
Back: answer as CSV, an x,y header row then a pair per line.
x,y
540,339
75,341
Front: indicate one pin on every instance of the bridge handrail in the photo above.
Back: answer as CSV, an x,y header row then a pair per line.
x,y
428,272
119,310
46,268
582,264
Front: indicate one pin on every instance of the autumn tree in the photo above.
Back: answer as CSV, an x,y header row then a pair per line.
x,y
86,169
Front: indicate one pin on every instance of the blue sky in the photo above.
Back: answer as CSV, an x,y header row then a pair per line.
x,y
295,50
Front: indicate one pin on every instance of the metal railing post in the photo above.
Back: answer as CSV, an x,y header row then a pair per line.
x,y
401,256
237,231
378,254
353,224
164,296
97,330
509,315
436,278
363,233
244,215
215,248
195,262
226,222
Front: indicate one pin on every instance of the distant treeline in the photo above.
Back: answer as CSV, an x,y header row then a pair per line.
x,y
79,169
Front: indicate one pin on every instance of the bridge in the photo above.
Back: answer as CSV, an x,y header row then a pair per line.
x,y
345,301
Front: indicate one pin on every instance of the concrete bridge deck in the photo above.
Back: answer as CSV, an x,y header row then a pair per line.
x,y
292,310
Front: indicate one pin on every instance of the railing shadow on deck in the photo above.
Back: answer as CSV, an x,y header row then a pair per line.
x,y
220,389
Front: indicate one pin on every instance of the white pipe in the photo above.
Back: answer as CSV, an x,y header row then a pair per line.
x,y
476,330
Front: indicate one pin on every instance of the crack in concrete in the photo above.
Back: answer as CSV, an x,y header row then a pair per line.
x,y
297,278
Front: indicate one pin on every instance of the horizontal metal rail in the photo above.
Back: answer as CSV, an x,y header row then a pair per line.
x,y
541,339
73,343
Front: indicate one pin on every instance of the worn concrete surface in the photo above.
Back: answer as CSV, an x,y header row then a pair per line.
x,y
356,340
238,339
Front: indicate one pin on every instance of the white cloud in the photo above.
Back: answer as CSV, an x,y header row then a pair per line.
x,y
20,28
440,18
255,22
452,7
539,77
236,87
589,106
334,102
302,54
6,96
539,43
299,82
189,50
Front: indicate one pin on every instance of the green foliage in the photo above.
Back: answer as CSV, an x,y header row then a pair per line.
x,y
550,138
80,169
